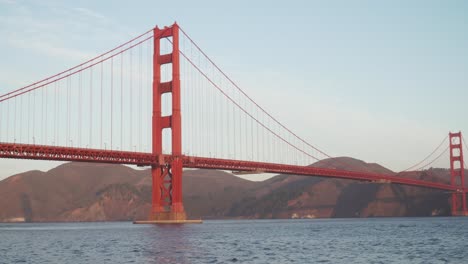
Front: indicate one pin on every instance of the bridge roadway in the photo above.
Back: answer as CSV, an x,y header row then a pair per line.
x,y
41,152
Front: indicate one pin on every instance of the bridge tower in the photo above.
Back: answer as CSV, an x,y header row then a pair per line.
x,y
167,175
457,172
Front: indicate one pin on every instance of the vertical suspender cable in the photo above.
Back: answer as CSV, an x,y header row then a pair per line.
x,y
112,102
131,99
8,121
46,115
55,114
68,110
140,102
192,106
57,136
234,128
14,121
215,111
121,101
20,120
29,116
102,98
42,116
34,114
91,107
80,103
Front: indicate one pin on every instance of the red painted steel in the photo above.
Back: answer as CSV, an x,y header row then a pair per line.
x,y
156,170
457,172
167,177
24,151
236,165
40,152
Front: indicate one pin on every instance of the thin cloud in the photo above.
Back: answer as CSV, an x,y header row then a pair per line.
x,y
49,49
90,13
40,35
8,2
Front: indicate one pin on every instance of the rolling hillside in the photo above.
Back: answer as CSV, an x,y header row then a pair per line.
x,y
96,192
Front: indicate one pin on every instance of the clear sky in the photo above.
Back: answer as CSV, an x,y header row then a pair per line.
x,y
382,81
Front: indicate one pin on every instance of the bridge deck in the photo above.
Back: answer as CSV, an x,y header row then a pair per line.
x,y
40,152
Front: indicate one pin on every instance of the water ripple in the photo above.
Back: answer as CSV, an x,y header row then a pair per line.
x,y
383,240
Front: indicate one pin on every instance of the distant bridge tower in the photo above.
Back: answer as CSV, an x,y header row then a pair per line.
x,y
457,172
167,176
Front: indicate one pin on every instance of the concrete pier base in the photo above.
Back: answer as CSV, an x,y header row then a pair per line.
x,y
164,222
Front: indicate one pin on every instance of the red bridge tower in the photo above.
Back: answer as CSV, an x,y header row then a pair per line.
x,y
457,172
167,176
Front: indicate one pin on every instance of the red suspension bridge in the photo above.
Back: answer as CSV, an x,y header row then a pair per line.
x,y
125,106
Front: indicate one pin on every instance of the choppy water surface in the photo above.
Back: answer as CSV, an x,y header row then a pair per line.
x,y
385,240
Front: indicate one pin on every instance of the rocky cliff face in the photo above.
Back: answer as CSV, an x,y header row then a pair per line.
x,y
90,192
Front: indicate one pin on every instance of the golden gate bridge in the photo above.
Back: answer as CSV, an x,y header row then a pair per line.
x,y
158,100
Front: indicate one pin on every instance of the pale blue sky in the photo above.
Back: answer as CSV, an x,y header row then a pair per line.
x,y
383,81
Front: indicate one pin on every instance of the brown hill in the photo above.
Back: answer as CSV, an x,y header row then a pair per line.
x,y
51,196
91,192
310,197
